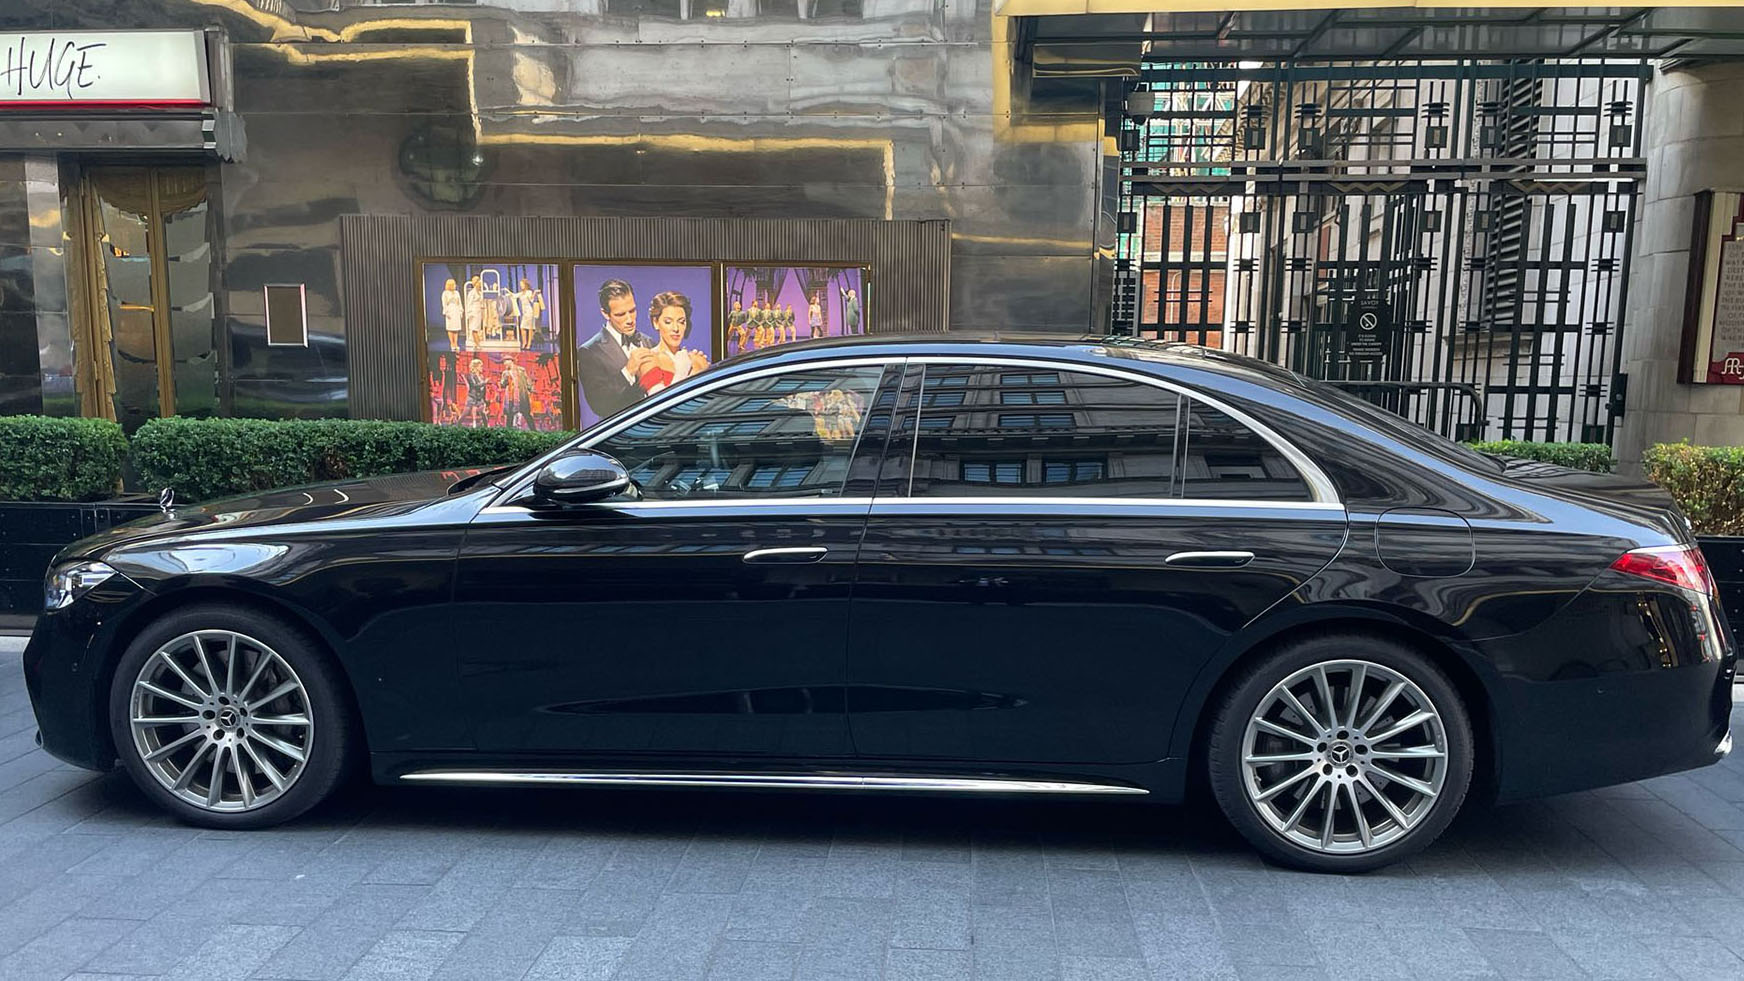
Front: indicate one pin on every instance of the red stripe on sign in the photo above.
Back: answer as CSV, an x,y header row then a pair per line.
x,y
101,103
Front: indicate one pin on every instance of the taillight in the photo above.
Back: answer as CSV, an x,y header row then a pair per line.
x,y
1676,565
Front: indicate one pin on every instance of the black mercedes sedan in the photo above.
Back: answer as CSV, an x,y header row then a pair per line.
x,y
1081,569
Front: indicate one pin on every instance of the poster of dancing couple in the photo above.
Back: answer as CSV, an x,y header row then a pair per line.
x,y
492,344
638,330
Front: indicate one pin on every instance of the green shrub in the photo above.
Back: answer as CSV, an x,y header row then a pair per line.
x,y
55,459
1706,481
1580,456
206,458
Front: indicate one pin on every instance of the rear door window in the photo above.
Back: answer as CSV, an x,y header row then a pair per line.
x,y
1003,431
1226,460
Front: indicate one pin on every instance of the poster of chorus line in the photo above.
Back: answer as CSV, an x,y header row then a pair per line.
x,y
772,305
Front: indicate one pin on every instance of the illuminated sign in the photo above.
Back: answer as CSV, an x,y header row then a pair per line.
x,y
116,69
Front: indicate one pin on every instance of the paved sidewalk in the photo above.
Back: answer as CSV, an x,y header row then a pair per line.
x,y
1642,881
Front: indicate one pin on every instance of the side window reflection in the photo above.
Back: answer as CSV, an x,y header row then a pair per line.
x,y
1225,460
1020,432
789,436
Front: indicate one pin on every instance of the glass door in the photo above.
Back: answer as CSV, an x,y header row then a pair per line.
x,y
144,345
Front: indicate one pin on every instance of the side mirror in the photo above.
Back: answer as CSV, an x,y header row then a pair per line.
x,y
581,477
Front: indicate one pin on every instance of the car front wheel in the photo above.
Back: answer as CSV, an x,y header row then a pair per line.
x,y
229,718
1341,753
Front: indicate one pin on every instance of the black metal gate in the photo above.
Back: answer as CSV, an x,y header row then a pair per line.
x,y
1451,239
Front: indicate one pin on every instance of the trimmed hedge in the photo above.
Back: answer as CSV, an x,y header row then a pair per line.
x,y
1579,456
206,458
53,459
1706,481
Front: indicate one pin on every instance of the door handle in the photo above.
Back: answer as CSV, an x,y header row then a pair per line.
x,y
1209,560
792,556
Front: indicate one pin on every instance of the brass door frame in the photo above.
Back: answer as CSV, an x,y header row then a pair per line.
x,y
89,308
160,298
89,277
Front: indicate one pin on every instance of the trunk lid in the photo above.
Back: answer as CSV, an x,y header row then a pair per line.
x,y
1631,498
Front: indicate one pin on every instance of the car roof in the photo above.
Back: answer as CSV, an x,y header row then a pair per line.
x,y
1154,354
1207,370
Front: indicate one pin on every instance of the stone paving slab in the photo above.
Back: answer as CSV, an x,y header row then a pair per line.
x,y
1640,881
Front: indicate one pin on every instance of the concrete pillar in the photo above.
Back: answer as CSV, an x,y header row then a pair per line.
x,y
1694,142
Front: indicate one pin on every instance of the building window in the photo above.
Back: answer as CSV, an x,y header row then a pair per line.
x,y
993,471
1043,396
1029,420
1073,471
1227,460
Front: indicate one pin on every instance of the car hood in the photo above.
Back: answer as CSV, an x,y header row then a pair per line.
x,y
362,499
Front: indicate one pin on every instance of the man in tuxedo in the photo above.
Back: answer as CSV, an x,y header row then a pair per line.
x,y
609,363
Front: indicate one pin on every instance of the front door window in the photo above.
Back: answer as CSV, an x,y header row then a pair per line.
x,y
776,436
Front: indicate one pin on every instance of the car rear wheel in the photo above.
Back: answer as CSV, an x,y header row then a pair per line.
x,y
229,718
1341,753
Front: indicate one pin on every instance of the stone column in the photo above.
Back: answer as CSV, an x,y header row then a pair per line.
x,y
1694,142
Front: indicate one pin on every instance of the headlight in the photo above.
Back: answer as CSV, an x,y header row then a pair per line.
x,y
69,582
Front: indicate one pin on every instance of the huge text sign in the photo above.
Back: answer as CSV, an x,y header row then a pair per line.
x,y
103,68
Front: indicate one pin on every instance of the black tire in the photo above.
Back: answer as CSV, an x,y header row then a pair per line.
x,y
328,745
1229,731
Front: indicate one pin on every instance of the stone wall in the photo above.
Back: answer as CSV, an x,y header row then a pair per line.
x,y
1695,142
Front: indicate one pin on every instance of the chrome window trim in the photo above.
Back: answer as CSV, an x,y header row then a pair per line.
x,y
918,505
792,505
913,444
948,505
1325,496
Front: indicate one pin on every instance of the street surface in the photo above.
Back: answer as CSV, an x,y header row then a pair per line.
x,y
1640,881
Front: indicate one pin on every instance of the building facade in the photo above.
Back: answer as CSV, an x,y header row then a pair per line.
x,y
1483,219
144,241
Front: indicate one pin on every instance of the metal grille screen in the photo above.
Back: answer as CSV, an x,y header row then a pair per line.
x,y
1449,239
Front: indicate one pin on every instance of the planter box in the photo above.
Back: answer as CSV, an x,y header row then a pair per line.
x,y
31,532
1725,557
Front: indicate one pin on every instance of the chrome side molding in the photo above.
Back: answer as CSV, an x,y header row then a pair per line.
x,y
773,781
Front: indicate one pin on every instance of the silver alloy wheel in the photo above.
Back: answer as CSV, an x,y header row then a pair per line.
x,y
1344,757
221,720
